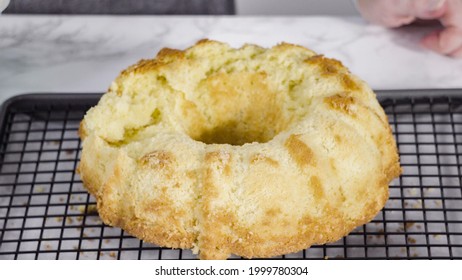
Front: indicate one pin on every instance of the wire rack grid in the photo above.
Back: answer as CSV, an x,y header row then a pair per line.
x,y
45,213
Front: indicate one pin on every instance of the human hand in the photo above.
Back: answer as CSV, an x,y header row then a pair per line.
x,y
395,13
3,5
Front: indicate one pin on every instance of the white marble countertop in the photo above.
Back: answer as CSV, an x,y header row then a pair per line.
x,y
69,54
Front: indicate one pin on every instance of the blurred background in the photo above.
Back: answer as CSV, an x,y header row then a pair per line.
x,y
239,7
295,7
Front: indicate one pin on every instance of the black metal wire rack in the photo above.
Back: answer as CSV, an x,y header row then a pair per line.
x,y
45,213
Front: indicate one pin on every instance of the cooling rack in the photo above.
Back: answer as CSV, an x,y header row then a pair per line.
x,y
45,213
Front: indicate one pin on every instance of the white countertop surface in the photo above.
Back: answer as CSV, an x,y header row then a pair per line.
x,y
69,54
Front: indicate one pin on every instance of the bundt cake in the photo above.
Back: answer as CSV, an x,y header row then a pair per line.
x,y
251,151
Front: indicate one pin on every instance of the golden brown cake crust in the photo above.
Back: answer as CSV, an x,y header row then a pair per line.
x,y
254,152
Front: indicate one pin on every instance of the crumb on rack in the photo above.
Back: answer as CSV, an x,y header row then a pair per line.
x,y
112,255
59,219
40,189
326,257
97,222
411,240
408,225
430,190
90,209
69,220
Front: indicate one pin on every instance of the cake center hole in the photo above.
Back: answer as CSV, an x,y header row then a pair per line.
x,y
236,133
241,109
